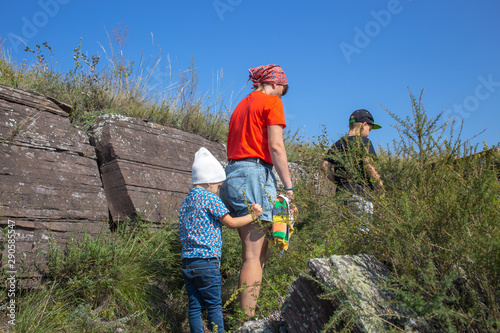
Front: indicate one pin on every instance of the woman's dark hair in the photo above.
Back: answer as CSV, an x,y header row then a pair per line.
x,y
285,89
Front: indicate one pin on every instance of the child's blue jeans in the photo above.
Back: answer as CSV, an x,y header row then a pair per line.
x,y
203,286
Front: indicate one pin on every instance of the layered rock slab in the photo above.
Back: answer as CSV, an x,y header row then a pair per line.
x,y
49,181
145,167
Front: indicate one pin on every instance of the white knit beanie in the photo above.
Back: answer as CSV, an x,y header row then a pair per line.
x,y
206,168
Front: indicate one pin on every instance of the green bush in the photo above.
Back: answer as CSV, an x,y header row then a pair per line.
x,y
435,225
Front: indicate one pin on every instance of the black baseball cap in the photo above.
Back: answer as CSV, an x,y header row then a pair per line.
x,y
363,116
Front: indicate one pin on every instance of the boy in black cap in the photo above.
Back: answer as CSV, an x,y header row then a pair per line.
x,y
349,161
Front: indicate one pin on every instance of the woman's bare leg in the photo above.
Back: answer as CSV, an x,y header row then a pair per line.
x,y
254,254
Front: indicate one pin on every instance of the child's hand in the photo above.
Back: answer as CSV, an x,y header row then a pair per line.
x,y
256,210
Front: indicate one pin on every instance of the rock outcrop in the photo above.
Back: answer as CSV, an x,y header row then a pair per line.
x,y
256,326
352,285
56,182
49,182
146,168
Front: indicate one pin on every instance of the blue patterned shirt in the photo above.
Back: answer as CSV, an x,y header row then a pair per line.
x,y
200,228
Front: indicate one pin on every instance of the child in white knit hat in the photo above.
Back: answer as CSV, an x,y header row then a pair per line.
x,y
202,215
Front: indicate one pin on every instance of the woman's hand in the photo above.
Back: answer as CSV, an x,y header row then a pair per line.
x,y
291,200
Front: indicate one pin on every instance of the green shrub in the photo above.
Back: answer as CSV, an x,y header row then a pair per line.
x,y
435,225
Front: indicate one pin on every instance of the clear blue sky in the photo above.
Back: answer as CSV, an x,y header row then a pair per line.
x,y
338,55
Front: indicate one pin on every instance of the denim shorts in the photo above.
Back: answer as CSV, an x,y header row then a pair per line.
x,y
247,183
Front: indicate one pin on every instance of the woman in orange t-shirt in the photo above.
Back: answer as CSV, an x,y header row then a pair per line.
x,y
254,146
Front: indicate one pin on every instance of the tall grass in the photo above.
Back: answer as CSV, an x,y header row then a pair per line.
x,y
39,311
100,284
147,90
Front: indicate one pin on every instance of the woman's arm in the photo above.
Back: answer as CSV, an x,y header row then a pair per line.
x,y
236,222
278,155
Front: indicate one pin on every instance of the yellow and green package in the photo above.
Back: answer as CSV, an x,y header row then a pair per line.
x,y
282,223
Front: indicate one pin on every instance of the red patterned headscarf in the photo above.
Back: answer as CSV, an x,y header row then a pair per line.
x,y
267,74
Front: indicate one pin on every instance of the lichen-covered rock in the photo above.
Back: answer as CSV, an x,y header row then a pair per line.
x,y
272,324
255,326
353,284
49,182
146,168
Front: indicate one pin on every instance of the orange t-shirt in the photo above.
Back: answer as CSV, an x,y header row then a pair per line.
x,y
248,126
